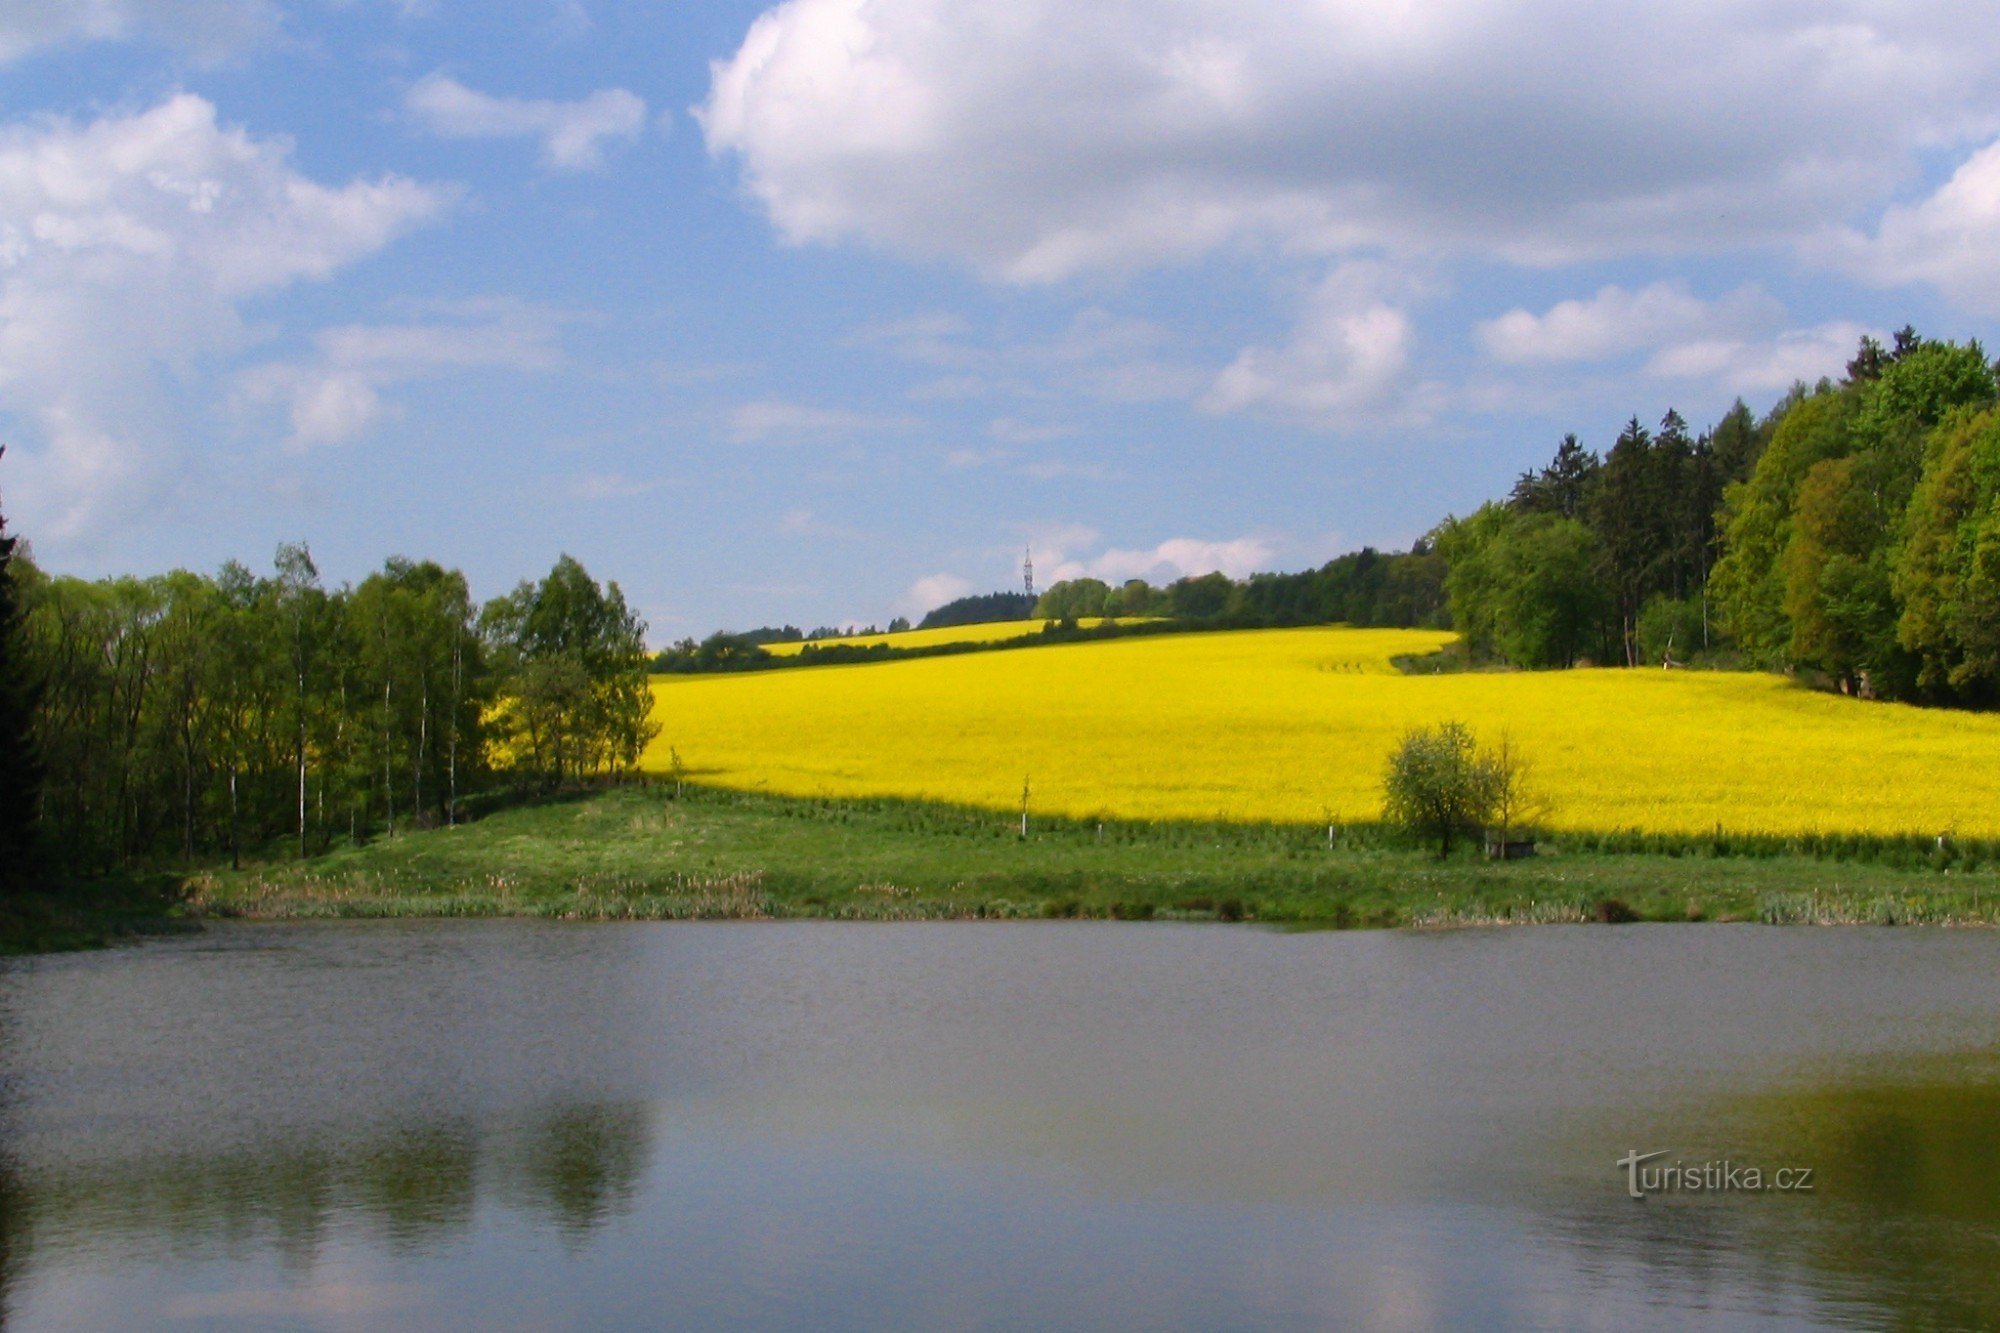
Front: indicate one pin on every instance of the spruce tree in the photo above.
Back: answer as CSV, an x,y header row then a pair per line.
x,y
20,768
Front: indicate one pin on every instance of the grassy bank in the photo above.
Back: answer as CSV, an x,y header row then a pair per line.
x,y
90,913
640,853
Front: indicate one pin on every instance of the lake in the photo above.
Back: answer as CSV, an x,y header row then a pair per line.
x,y
510,1124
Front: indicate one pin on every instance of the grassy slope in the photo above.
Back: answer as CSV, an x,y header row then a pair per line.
x,y
638,853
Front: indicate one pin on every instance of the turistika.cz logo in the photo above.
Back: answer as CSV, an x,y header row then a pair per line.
x,y
1723,1177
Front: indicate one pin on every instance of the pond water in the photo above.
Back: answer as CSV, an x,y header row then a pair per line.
x,y
500,1125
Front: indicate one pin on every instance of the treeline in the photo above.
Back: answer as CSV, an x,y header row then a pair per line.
x,y
982,609
1365,587
1851,534
186,715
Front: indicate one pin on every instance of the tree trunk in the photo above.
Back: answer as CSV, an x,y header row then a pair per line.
x,y
423,744
451,745
388,751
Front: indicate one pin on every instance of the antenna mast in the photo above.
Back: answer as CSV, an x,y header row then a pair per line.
x,y
1028,571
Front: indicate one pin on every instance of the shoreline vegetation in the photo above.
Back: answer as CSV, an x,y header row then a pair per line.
x,y
641,852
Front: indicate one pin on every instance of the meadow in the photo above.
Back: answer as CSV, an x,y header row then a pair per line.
x,y
1293,726
642,852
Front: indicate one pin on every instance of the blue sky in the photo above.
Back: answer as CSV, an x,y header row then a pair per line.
x,y
823,311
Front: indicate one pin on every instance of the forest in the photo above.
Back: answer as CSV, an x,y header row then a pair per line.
x,y
183,716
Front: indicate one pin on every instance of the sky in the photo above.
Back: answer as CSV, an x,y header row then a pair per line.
x,y
824,312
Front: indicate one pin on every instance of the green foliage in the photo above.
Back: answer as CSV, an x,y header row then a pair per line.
x,y
1948,580
574,655
21,770
980,610
1073,599
1438,786
1135,597
1206,597
1748,584
1526,587
193,715
1670,628
1817,536
1566,487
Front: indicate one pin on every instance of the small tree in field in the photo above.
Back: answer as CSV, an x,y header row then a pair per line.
x,y
1438,785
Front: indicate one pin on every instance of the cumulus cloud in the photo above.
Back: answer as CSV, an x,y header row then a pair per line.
x,y
1738,341
335,395
208,28
1758,365
573,135
776,420
1948,240
1617,321
1177,557
1348,359
127,246
930,592
1035,139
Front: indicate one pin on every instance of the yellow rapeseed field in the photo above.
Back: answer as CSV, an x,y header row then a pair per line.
x,y
1296,724
991,632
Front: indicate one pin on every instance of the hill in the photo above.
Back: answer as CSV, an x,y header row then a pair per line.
x,y
1294,725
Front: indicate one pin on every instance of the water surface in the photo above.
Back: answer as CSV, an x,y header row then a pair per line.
x,y
815,1125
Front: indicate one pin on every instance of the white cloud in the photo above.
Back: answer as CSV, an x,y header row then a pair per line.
x,y
1617,321
572,134
208,28
1738,342
1948,240
1177,557
1760,365
1348,359
930,592
334,396
1035,139
127,245
775,420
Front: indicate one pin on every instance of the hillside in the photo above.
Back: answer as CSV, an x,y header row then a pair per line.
x,y
997,631
1293,725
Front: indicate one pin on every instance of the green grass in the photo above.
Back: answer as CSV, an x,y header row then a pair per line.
x,y
90,913
639,853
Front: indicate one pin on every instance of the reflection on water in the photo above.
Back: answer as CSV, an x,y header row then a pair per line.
x,y
511,1124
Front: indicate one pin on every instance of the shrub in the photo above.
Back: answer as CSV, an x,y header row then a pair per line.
x,y
1436,788
1440,786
